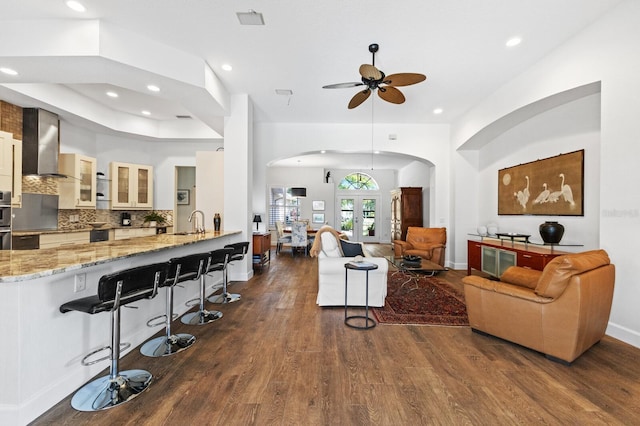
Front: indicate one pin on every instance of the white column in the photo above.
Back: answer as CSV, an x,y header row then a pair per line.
x,y
238,177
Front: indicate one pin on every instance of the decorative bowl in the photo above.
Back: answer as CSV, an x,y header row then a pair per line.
x,y
97,224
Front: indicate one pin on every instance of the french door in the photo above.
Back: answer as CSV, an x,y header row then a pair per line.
x,y
358,217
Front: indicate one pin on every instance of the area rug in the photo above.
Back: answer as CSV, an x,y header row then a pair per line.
x,y
421,300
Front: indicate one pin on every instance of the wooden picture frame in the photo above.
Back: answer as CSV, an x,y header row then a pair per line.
x,y
552,186
182,196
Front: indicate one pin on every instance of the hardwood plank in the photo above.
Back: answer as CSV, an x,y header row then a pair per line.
x,y
277,358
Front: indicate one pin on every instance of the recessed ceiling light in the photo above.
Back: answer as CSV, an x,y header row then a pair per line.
x,y
145,112
76,6
8,71
227,67
250,18
438,111
513,42
323,151
153,88
112,94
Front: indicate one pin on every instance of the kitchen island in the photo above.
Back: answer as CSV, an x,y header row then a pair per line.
x,y
41,360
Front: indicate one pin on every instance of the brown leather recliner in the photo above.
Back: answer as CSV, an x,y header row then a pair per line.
x,y
428,243
561,311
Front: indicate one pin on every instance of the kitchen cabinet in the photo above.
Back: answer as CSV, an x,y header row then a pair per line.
x,y
126,233
131,186
63,239
406,211
78,190
11,167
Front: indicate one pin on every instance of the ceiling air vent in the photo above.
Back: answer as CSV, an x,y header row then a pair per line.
x,y
184,117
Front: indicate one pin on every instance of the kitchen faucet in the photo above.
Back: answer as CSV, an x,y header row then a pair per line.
x,y
196,226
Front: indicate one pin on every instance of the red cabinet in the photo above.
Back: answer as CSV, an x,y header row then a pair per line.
x,y
474,256
527,255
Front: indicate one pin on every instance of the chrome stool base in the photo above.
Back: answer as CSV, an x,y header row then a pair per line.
x,y
224,298
165,346
201,317
107,392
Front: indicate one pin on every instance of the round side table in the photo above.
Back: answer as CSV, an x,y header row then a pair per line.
x,y
368,322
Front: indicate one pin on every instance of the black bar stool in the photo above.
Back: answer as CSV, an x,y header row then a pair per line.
x,y
116,290
238,252
201,316
181,269
219,261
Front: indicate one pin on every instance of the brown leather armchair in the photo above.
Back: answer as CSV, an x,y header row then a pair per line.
x,y
428,243
561,311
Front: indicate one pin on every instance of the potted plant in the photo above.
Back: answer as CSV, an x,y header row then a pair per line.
x,y
153,218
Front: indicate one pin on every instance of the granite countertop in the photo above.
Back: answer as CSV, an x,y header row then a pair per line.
x,y
22,265
79,229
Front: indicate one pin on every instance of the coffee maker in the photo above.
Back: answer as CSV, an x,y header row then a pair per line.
x,y
125,219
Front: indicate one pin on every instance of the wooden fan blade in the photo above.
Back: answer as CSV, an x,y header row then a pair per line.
x,y
404,79
359,98
391,94
370,72
342,85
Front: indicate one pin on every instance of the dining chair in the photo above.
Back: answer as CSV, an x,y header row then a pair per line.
x,y
299,237
282,238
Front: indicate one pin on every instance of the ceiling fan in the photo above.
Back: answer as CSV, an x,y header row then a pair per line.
x,y
374,79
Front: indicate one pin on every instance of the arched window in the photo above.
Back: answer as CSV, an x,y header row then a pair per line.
x,y
359,181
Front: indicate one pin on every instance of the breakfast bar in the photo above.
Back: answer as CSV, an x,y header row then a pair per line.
x,y
42,363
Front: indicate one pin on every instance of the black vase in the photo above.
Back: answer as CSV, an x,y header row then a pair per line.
x,y
216,222
551,232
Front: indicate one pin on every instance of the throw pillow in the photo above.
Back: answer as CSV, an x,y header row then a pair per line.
x,y
351,249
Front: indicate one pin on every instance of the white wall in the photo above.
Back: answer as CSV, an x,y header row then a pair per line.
x,y
164,156
275,141
606,52
567,128
185,179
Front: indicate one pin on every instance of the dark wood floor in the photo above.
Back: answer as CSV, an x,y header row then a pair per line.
x,y
277,358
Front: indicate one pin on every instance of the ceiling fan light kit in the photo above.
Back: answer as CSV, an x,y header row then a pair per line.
x,y
373,79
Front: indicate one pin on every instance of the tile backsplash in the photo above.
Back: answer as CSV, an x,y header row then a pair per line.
x,y
66,217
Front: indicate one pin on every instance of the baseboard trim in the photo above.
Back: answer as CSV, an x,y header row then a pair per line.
x,y
624,334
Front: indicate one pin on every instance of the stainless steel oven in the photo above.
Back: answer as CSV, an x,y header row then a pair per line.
x,y
5,209
5,238
5,220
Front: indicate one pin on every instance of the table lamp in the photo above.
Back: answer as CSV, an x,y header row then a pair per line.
x,y
257,219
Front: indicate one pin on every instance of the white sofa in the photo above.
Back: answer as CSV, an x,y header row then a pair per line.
x,y
331,274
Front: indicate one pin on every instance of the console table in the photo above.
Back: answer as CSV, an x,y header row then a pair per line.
x,y
525,255
261,249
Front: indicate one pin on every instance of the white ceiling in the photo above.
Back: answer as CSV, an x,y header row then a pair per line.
x,y
458,44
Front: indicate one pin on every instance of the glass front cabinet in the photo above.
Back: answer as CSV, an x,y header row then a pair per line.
x,y
131,186
78,188
495,261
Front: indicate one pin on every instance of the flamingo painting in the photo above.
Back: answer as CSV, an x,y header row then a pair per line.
x,y
543,196
556,185
523,195
566,192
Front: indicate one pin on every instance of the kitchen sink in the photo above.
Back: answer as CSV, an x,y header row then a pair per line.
x,y
184,233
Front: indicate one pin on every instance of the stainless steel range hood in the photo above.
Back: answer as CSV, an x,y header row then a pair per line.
x,y
40,142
